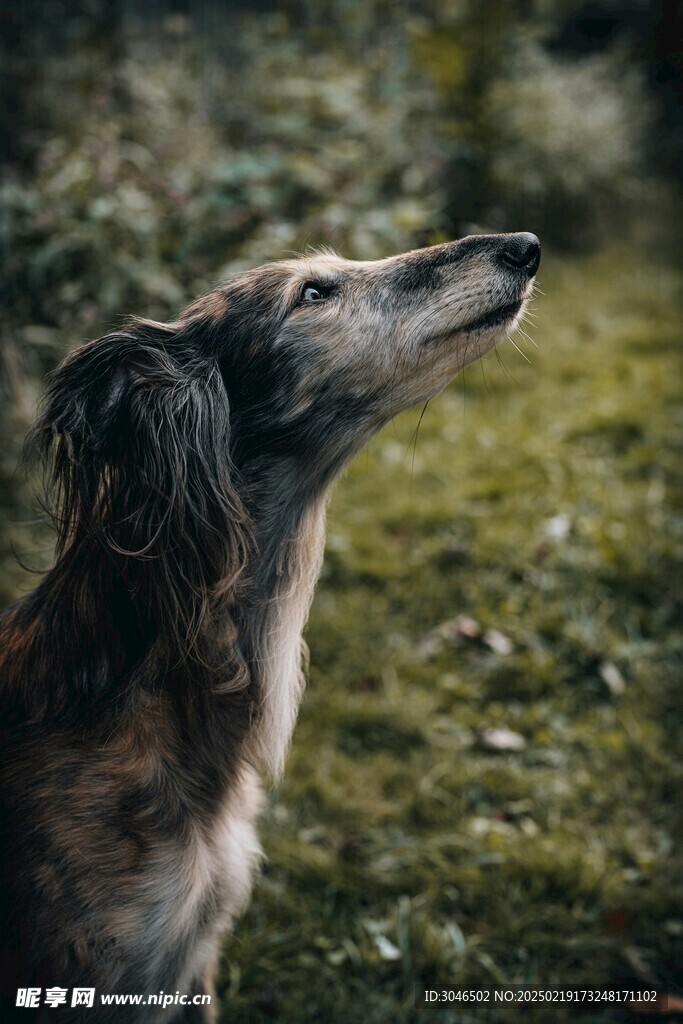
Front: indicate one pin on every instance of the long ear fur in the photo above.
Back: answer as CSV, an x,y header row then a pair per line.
x,y
136,432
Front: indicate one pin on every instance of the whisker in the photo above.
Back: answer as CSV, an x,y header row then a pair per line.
x,y
518,349
505,368
483,374
413,440
527,336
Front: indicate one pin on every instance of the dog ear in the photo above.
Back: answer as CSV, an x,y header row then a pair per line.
x,y
136,432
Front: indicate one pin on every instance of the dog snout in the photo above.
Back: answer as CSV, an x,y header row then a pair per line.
x,y
522,251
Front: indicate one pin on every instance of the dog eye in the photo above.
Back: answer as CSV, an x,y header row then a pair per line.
x,y
314,292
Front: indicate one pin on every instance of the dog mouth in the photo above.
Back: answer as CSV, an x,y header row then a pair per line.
x,y
495,318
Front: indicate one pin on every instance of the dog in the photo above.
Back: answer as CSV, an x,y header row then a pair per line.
x,y
156,672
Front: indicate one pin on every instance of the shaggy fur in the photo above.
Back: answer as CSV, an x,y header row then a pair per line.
x,y
157,667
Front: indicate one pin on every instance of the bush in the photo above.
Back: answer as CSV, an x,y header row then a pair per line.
x,y
571,146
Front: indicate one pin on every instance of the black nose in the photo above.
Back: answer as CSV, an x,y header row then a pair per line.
x,y
522,251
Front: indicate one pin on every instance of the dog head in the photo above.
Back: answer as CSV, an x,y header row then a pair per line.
x,y
318,352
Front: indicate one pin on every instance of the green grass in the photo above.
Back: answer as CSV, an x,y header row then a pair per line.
x,y
550,865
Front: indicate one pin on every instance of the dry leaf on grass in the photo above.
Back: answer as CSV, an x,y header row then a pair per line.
x,y
501,738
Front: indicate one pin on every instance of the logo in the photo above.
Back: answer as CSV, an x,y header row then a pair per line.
x,y
29,998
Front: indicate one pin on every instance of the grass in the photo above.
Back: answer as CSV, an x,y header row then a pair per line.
x,y
402,846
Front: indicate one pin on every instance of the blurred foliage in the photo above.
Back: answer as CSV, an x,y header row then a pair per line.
x,y
571,135
152,165
147,153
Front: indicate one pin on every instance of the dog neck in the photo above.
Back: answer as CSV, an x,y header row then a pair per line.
x,y
289,516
